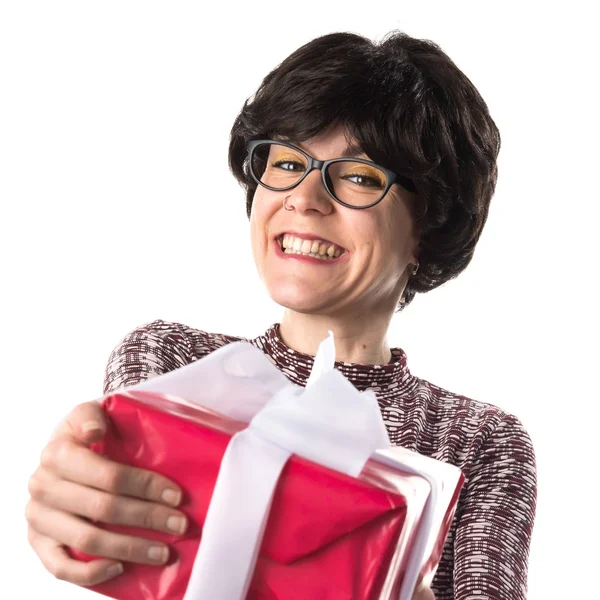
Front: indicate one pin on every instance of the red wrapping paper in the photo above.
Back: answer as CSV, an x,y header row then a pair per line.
x,y
329,536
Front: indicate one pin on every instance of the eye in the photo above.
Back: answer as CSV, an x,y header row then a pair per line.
x,y
289,165
364,180
361,175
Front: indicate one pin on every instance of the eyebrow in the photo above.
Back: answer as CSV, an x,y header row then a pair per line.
x,y
351,150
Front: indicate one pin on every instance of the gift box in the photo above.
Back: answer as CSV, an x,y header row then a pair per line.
x,y
291,493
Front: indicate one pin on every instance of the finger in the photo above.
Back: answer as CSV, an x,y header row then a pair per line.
x,y
68,460
86,423
423,592
104,507
76,533
56,560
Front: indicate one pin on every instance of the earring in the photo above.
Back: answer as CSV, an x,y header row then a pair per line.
x,y
414,271
284,206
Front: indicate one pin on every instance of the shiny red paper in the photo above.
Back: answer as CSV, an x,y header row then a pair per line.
x,y
329,536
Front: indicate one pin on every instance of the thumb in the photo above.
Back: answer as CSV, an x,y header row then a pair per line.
x,y
86,423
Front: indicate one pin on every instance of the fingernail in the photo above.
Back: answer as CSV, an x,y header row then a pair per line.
x,y
172,497
158,553
114,570
176,524
91,426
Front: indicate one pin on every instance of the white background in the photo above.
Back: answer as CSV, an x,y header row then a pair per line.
x,y
117,208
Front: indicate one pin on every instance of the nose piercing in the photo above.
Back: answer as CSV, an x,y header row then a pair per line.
x,y
284,206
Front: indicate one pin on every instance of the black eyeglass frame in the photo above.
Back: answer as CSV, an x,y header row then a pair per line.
x,y
322,165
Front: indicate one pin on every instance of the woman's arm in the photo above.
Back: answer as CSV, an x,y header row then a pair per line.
x,y
149,350
493,534
73,487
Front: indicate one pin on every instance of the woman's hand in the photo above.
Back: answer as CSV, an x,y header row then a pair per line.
x,y
423,592
74,484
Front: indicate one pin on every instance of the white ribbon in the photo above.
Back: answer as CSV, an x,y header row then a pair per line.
x,y
329,422
236,518
236,381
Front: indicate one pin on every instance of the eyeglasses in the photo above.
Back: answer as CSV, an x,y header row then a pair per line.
x,y
353,182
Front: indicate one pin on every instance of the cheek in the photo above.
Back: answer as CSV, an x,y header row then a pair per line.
x,y
260,214
255,232
375,236
397,232
262,208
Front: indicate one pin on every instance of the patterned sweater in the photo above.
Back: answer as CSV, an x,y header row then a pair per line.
x,y
487,549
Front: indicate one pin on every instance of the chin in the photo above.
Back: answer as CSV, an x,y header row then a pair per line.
x,y
297,300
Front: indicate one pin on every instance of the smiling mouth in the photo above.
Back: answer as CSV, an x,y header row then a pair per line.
x,y
314,248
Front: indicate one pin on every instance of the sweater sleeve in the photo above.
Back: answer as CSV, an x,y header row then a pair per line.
x,y
152,349
493,534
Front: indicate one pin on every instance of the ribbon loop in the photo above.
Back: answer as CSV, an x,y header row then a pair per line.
x,y
331,423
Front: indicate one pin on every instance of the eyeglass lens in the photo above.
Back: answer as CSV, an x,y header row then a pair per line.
x,y
352,182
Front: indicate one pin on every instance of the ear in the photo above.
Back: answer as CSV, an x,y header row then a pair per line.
x,y
416,252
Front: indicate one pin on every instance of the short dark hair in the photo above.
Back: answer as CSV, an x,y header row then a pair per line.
x,y
412,110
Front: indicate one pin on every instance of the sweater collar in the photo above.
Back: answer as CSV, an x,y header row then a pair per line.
x,y
297,365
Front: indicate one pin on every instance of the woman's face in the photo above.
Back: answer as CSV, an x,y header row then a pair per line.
x,y
378,242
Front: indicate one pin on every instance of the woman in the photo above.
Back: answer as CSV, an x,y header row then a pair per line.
x,y
368,171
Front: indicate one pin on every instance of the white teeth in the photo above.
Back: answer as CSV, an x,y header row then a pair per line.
x,y
315,248
311,254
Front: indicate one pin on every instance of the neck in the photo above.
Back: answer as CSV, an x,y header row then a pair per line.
x,y
357,340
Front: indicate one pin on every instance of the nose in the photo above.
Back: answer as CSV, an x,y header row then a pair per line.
x,y
310,194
